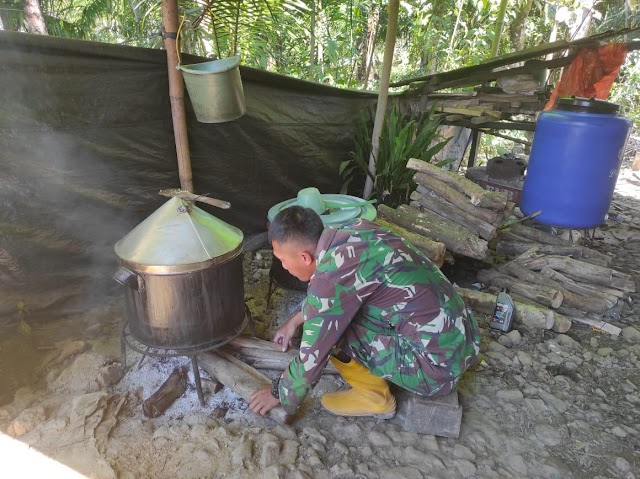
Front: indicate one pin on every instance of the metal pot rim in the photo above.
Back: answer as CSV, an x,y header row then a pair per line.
x,y
181,268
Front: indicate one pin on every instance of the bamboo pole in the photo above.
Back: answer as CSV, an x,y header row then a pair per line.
x,y
176,93
497,32
383,94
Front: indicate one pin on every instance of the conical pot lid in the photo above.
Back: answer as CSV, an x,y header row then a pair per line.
x,y
178,234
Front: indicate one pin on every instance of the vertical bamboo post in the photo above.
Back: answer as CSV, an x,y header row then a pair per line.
x,y
176,93
390,43
497,32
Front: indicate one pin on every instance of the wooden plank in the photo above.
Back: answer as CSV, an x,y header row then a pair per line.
x,y
480,120
496,125
516,57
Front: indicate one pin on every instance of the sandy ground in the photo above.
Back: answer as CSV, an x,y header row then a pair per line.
x,y
538,404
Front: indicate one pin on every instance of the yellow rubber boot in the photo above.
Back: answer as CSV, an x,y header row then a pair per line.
x,y
369,395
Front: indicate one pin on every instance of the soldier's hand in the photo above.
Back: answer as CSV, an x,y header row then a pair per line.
x,y
262,401
283,336
285,332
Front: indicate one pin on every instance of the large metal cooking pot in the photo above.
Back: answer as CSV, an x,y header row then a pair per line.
x,y
183,272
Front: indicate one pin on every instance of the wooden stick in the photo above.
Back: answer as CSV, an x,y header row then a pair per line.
x,y
434,250
443,208
531,316
239,379
549,297
479,196
187,195
584,272
456,238
174,387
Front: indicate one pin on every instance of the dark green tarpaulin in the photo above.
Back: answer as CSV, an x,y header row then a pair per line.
x,y
86,142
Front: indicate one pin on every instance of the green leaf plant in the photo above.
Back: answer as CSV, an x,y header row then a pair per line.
x,y
403,137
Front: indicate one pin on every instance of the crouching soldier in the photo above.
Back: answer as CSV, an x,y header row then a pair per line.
x,y
376,307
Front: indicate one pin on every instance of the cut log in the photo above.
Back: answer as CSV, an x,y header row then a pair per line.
x,y
444,208
456,238
478,195
561,324
174,387
434,250
453,196
548,297
584,272
240,379
515,248
262,354
531,316
585,290
571,299
537,235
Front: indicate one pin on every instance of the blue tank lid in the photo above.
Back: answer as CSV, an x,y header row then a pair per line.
x,y
587,105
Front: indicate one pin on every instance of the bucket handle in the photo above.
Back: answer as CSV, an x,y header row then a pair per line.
x,y
129,278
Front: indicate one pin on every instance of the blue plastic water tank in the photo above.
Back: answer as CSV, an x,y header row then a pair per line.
x,y
573,167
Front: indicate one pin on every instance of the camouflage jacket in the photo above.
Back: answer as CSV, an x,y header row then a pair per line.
x,y
381,301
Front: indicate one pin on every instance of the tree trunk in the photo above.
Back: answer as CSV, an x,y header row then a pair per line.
x,y
367,47
453,213
312,38
34,17
517,28
456,238
549,297
531,316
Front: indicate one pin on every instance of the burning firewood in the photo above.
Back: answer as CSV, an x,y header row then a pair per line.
x,y
165,396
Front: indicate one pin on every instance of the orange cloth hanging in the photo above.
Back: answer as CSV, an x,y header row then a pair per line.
x,y
591,73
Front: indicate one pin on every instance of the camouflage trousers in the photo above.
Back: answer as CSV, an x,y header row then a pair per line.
x,y
405,361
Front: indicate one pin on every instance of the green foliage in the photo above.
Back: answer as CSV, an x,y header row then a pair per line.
x,y
327,40
403,137
625,90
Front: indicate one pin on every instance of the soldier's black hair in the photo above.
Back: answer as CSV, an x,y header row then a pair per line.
x,y
298,224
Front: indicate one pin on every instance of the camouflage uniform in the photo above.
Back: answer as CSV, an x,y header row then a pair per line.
x,y
382,302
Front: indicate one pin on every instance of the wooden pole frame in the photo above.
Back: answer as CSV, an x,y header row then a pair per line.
x,y
176,93
381,108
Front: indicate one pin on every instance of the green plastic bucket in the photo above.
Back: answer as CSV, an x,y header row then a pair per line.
x,y
215,89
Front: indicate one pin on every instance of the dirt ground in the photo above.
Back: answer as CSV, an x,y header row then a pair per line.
x,y
538,404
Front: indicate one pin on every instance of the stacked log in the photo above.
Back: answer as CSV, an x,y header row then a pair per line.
x,y
573,281
449,209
